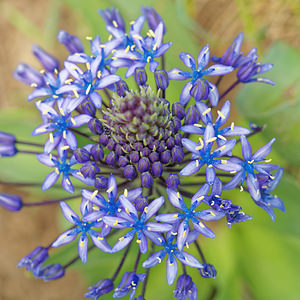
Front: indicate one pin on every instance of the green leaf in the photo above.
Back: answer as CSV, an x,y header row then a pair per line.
x,y
278,106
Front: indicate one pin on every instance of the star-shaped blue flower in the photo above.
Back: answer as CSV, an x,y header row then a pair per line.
x,y
189,214
85,229
202,154
197,73
140,226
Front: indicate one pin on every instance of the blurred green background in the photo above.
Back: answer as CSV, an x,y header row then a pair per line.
x,y
257,259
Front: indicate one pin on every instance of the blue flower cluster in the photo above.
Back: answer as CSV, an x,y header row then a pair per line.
x,y
154,172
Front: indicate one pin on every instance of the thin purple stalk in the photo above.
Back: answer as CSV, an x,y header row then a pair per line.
x,y
200,252
76,258
147,273
219,80
137,261
84,135
48,202
121,263
229,89
29,152
29,144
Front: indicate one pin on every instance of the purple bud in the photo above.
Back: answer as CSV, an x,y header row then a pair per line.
x,y
165,157
126,148
140,76
112,18
82,155
7,150
138,146
178,110
118,149
122,88
34,259
177,154
157,169
111,144
153,145
11,202
154,156
173,181
87,108
95,126
101,182
152,17
49,62
140,203
254,126
144,164
192,116
97,152
176,124
146,152
200,90
170,142
162,146
71,42
161,79
208,271
130,172
178,138
123,161
185,288
102,287
29,75
89,169
146,180
49,272
103,139
134,156
7,138
111,158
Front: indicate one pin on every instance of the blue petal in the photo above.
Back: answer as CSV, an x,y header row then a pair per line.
x,y
253,187
187,59
176,74
173,197
154,259
172,268
83,243
123,241
203,57
246,148
158,227
100,242
189,260
200,193
153,207
203,229
68,213
190,145
210,174
213,94
65,238
183,232
108,80
50,180
168,218
191,168
216,70
185,95
263,151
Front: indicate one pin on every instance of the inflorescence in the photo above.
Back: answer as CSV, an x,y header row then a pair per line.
x,y
154,171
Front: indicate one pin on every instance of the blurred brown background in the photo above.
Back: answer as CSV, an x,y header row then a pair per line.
x,y
262,21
